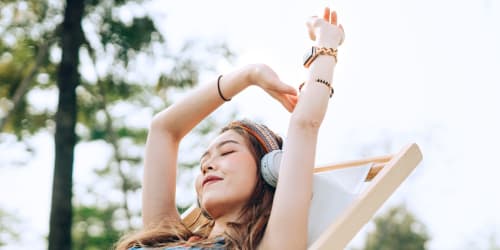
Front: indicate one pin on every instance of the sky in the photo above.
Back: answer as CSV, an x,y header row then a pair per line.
x,y
409,71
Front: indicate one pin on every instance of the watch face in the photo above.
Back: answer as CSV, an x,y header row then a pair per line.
x,y
308,55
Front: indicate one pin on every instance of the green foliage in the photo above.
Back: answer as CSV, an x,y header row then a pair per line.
x,y
126,38
93,228
7,231
397,229
25,40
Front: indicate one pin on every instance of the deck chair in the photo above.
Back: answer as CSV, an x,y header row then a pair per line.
x,y
341,209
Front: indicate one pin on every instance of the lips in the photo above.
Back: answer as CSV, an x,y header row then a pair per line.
x,y
211,178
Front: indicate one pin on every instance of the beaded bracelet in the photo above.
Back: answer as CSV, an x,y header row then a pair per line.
x,y
320,81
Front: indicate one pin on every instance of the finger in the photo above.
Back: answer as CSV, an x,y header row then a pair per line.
x,y
343,34
294,99
284,100
333,18
311,22
288,104
326,14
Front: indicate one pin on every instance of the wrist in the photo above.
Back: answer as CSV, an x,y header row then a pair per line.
x,y
254,73
249,74
327,43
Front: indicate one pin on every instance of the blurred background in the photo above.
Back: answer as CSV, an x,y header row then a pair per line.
x,y
409,71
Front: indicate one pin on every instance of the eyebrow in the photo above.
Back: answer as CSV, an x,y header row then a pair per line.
x,y
222,143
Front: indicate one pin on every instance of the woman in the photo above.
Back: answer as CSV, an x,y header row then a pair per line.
x,y
244,212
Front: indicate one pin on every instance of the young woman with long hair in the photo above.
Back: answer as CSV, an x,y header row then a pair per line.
x,y
243,211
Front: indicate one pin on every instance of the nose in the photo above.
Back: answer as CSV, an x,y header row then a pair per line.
x,y
207,166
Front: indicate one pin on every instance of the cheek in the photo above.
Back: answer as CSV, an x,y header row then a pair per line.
x,y
247,183
246,174
239,164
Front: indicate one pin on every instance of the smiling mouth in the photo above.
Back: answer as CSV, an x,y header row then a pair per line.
x,y
211,180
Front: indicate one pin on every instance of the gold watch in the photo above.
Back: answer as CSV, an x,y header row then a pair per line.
x,y
311,55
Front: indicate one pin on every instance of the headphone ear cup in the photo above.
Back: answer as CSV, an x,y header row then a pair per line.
x,y
269,167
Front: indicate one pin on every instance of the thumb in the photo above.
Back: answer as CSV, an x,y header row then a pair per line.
x,y
310,31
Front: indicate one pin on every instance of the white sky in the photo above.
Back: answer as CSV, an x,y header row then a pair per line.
x,y
409,71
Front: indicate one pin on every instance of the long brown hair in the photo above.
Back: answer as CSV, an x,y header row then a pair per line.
x,y
244,234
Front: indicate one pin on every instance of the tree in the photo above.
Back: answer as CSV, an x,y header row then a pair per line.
x,y
397,229
68,79
54,57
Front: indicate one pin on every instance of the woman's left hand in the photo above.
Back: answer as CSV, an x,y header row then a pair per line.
x,y
264,77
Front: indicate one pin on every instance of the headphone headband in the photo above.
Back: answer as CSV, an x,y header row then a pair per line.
x,y
263,135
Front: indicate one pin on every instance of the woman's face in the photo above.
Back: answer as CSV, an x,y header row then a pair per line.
x,y
228,175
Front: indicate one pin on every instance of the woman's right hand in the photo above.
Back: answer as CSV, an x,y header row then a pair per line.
x,y
264,77
325,31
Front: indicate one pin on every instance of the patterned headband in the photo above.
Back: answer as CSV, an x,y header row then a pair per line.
x,y
263,135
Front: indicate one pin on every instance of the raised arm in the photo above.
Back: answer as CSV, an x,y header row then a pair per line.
x,y
287,226
172,124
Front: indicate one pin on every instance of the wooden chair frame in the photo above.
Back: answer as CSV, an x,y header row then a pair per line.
x,y
385,175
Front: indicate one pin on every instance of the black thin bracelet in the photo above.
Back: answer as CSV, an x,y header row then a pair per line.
x,y
220,92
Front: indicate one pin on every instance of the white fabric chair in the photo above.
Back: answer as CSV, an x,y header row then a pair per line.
x,y
333,191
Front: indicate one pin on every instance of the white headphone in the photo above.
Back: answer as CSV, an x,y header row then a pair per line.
x,y
270,166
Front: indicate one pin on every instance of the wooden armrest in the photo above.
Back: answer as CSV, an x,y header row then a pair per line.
x,y
377,164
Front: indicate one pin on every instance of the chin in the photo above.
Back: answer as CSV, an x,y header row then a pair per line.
x,y
214,209
216,206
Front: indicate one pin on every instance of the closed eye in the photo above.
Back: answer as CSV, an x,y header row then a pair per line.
x,y
227,152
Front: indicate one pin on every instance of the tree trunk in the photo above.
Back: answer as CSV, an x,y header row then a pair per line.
x,y
68,79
